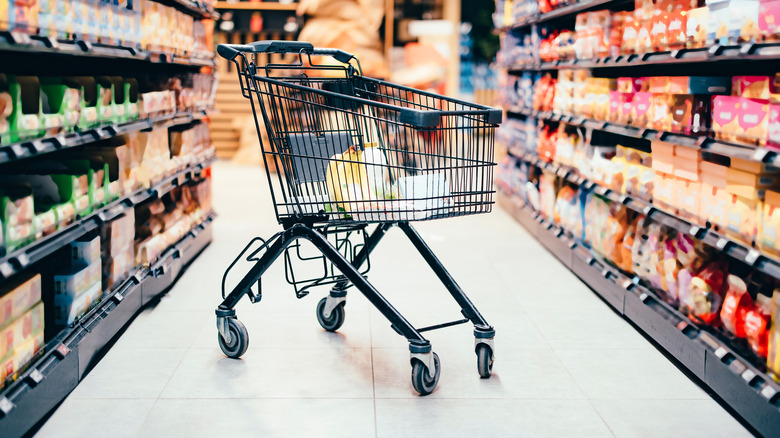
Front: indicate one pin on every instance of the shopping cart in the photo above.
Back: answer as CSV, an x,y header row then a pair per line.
x,y
351,151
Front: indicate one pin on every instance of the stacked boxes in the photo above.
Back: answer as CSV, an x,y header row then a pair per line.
x,y
117,251
78,285
21,324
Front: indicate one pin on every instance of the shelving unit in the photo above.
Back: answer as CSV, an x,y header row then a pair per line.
x,y
749,391
704,142
67,357
713,55
68,354
565,11
730,373
33,148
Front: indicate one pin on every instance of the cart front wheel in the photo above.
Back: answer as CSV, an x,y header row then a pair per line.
x,y
336,318
484,361
239,339
421,378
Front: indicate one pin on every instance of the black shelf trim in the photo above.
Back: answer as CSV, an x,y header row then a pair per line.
x,y
559,12
714,54
744,151
18,260
749,391
44,145
55,373
193,7
40,45
737,250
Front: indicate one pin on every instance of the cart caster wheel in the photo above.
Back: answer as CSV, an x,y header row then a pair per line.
x,y
421,379
484,361
336,318
239,339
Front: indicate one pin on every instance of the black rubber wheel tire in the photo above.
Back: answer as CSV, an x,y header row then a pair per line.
x,y
484,361
336,319
421,380
239,339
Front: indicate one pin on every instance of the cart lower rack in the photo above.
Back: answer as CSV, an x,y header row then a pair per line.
x,y
356,156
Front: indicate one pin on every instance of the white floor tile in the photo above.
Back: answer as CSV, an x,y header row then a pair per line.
x,y
652,418
79,418
629,375
498,418
305,418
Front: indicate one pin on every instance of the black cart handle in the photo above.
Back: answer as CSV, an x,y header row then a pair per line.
x,y
230,51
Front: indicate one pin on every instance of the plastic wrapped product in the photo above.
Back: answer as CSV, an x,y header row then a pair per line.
x,y
706,295
735,306
757,322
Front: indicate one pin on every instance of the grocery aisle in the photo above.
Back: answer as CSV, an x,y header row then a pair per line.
x,y
566,364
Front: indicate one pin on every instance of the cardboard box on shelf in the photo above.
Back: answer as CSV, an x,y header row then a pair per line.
x,y
23,328
17,296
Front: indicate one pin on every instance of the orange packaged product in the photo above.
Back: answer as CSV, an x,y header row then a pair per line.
x,y
659,32
660,112
768,238
630,33
677,36
696,27
751,87
713,205
742,218
687,163
644,39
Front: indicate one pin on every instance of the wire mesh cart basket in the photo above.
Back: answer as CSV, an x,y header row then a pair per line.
x,y
353,153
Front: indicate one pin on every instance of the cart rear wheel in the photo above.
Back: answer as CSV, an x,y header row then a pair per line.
x,y
336,318
239,339
484,360
421,379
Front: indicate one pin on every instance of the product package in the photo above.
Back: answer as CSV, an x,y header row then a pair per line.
x,y
17,296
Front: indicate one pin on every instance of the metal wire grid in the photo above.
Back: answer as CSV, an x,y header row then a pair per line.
x,y
342,159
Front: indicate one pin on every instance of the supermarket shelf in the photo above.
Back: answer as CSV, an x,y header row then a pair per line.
x,y
256,6
714,54
743,151
31,148
192,7
15,42
734,249
749,391
20,259
565,11
68,356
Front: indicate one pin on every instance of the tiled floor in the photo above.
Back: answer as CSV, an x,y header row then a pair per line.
x,y
566,364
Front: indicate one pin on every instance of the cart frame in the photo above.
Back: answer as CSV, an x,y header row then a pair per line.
x,y
233,336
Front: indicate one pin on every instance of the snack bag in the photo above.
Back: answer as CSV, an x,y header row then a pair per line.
x,y
735,306
626,247
347,180
706,294
655,248
757,323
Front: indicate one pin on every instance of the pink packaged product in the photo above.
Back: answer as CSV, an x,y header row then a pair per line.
x,y
614,106
769,19
725,112
753,121
774,125
640,109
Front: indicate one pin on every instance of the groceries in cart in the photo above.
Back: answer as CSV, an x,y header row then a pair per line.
x,y
359,184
